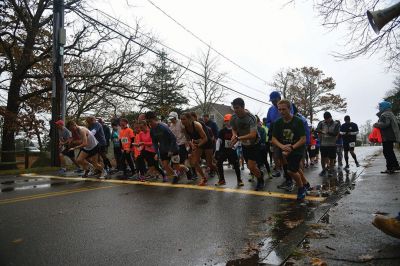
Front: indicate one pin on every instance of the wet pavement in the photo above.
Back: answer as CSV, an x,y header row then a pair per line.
x,y
344,235
70,221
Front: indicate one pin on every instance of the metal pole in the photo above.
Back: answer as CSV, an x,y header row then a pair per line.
x,y
58,84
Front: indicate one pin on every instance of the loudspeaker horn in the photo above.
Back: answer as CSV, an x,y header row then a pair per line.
x,y
379,18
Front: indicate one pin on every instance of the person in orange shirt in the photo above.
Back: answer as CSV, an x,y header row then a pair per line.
x,y
148,151
126,137
138,151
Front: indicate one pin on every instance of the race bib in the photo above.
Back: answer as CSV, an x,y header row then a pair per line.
x,y
352,144
124,140
228,144
175,159
312,147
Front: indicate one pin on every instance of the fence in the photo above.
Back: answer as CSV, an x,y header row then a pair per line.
x,y
24,158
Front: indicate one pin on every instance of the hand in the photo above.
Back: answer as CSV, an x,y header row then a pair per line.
x,y
287,148
156,157
234,140
71,149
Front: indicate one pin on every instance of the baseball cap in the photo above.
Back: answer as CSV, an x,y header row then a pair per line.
x,y
59,122
274,95
172,115
227,117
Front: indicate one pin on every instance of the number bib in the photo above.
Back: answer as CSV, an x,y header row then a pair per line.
x,y
175,159
124,140
228,144
312,147
352,144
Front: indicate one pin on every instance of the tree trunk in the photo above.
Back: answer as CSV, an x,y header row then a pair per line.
x,y
9,127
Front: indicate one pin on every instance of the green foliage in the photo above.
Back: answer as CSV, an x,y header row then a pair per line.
x,y
164,91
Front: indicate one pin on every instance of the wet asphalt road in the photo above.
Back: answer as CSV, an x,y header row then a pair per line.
x,y
63,222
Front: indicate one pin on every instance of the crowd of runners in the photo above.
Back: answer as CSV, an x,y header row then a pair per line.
x,y
186,146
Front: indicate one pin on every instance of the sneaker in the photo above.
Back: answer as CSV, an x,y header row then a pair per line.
x,y
260,184
240,183
323,173
203,182
387,171
86,173
301,194
390,226
357,164
62,171
307,187
270,175
347,166
165,179
251,178
242,168
290,187
78,170
220,183
276,174
175,179
330,173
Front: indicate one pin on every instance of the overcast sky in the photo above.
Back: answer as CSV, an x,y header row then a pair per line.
x,y
262,37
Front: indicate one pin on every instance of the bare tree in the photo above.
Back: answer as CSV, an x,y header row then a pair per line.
x,y
282,81
25,58
360,39
205,90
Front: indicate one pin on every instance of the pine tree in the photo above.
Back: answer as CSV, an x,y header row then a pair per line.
x,y
164,92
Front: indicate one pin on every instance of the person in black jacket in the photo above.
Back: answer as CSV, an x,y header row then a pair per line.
x,y
349,131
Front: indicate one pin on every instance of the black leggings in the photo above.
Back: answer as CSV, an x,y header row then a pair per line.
x,y
233,159
127,157
391,160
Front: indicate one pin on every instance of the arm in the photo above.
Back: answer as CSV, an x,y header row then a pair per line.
x,y
203,136
84,141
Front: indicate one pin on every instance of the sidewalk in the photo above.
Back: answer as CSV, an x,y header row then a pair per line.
x,y
345,235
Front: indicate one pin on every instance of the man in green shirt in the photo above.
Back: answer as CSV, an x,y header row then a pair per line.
x,y
289,135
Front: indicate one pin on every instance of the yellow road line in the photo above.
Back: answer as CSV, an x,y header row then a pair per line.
x,y
51,194
188,186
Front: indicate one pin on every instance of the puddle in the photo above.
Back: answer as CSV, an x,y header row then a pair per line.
x,y
17,188
11,182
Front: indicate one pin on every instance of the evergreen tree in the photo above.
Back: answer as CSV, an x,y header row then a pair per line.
x,y
164,92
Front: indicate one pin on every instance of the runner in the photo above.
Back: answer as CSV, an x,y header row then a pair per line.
x,y
116,146
224,150
176,126
97,130
208,150
147,151
289,135
349,131
138,157
89,151
328,131
273,115
198,141
165,145
263,160
126,138
65,137
244,129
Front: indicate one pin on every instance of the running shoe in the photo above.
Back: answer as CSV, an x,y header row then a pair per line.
x,y
307,187
165,179
175,179
270,175
78,170
62,171
387,171
276,174
301,194
357,164
86,173
242,168
220,183
203,182
347,166
240,183
251,178
260,184
330,173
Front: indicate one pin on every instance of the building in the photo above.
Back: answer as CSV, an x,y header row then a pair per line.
x,y
217,112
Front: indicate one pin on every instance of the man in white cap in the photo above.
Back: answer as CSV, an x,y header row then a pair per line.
x,y
177,128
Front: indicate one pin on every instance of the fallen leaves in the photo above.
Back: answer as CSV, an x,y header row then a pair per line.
x,y
318,262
